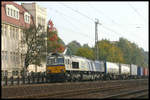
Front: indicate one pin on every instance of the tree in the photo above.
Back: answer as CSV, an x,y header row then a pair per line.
x,y
35,42
73,47
131,52
109,52
126,48
54,43
85,52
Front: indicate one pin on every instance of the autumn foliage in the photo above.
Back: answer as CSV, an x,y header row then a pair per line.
x,y
53,43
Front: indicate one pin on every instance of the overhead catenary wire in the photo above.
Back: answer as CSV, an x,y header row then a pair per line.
x,y
113,21
91,19
137,12
71,25
78,12
112,30
99,11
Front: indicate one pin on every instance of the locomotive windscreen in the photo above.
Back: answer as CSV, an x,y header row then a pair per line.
x,y
55,60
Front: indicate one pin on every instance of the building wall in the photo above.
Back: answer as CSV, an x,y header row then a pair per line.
x,y
39,14
10,43
11,35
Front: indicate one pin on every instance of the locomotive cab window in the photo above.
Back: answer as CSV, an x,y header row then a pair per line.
x,y
51,60
75,64
60,60
55,60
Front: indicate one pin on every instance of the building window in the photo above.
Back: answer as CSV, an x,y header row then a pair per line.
x,y
12,12
2,55
13,72
2,73
11,56
16,32
17,14
6,73
6,55
13,33
8,11
2,30
27,18
5,30
16,72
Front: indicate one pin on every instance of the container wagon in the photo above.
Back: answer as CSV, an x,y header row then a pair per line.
x,y
133,71
111,70
124,71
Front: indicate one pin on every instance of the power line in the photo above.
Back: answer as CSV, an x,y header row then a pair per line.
x,y
64,17
85,35
113,21
77,12
137,11
89,18
97,10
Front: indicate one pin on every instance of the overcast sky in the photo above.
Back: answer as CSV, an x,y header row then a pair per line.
x,y
75,21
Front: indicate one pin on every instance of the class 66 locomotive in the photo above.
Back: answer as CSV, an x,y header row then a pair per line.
x,y
55,67
62,67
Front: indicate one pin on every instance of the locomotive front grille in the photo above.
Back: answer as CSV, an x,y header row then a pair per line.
x,y
56,69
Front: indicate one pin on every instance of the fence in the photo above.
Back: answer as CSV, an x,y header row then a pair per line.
x,y
19,80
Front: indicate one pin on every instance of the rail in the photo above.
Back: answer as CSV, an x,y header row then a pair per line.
x,y
131,94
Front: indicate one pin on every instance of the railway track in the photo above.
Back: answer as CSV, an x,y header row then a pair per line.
x,y
100,91
86,89
131,94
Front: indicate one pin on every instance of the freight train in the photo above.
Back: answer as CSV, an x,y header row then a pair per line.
x,y
62,67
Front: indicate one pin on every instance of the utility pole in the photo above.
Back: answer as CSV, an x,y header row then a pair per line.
x,y
96,39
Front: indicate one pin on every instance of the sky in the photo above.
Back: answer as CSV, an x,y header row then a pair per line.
x,y
76,21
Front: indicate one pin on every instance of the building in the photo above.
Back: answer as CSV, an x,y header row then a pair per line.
x,y
39,14
14,18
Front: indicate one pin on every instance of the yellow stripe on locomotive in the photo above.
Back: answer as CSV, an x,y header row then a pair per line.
x,y
53,69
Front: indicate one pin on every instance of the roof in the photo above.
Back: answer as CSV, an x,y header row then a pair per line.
x,y
11,20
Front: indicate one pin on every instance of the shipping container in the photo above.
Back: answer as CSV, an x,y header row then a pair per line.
x,y
139,71
145,71
133,69
112,68
124,69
